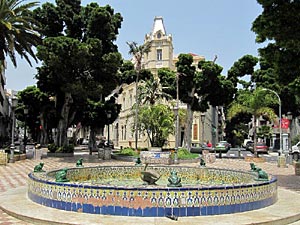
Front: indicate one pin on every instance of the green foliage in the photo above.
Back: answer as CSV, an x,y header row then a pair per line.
x,y
295,140
264,132
52,147
278,27
66,149
63,149
128,152
19,31
183,153
80,60
158,122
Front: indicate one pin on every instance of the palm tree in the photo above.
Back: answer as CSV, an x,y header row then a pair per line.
x,y
255,103
18,31
138,51
151,92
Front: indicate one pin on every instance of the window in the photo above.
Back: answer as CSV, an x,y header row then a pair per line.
x,y
159,54
158,35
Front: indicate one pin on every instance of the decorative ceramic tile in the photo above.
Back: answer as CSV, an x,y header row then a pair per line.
x,y
204,191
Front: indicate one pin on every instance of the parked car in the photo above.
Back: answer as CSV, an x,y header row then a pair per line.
x,y
246,141
223,146
261,147
198,148
249,146
295,151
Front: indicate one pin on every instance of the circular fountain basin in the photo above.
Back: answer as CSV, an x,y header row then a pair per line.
x,y
119,190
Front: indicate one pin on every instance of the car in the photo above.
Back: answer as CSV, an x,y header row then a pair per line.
x,y
223,146
249,146
261,147
295,151
198,148
246,141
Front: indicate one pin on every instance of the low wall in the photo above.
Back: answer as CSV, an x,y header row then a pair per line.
x,y
231,192
155,157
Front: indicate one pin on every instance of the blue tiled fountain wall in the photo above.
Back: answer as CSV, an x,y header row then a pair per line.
x,y
225,191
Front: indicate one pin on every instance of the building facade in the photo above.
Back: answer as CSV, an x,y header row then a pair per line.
x,y
160,56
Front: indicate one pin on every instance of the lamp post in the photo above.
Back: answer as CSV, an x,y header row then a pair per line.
x,y
14,102
280,129
25,125
290,118
281,158
177,120
108,118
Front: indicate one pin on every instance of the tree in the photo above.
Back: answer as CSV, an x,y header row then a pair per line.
x,y
18,31
80,59
151,92
138,51
198,87
278,27
95,116
256,103
158,122
41,114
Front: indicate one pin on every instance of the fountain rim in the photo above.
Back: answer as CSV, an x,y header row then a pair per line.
x,y
149,187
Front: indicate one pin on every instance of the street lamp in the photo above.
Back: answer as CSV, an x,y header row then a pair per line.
x,y
281,158
177,120
280,130
25,120
290,118
14,102
108,118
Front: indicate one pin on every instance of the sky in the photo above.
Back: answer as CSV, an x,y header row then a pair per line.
x,y
203,27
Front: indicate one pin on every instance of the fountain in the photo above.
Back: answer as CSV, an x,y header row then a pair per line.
x,y
179,191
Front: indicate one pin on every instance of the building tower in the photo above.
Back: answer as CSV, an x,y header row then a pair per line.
x,y
161,54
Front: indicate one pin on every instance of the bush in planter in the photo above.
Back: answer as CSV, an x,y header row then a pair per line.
x,y
183,153
52,148
66,149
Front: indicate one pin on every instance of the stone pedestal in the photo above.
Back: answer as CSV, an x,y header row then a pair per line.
x,y
104,153
155,157
297,168
281,161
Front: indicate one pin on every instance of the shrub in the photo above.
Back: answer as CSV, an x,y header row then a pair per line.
x,y
52,147
183,153
128,152
64,149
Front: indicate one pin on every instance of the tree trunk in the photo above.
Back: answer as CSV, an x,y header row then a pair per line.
x,y
44,134
189,123
64,121
92,140
254,137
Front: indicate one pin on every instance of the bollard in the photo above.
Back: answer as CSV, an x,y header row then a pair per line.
x,y
297,168
281,161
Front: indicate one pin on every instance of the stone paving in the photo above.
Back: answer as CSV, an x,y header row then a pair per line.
x,y
14,175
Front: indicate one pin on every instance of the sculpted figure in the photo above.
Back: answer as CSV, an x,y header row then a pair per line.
x,y
39,167
202,162
174,180
253,167
150,177
61,176
79,162
262,175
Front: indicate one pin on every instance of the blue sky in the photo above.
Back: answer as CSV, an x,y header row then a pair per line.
x,y
203,27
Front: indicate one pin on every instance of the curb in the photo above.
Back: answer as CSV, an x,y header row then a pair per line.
x,y
284,211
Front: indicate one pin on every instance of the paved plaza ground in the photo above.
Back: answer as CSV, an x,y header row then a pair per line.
x,y
14,175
